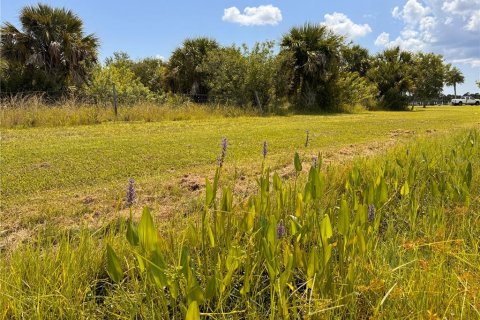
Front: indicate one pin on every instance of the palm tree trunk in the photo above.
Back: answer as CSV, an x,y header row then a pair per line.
x,y
455,89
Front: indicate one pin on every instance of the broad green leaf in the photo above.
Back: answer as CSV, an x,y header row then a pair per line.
x,y
326,233
469,174
211,236
277,182
156,267
215,182
411,175
362,214
307,194
193,312
343,221
232,258
211,287
299,205
250,218
272,231
295,226
326,229
185,261
141,262
195,293
147,233
132,232
382,192
405,190
361,241
226,204
370,194
209,192
114,269
297,162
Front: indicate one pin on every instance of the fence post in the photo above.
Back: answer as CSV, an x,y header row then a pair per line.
x,y
115,100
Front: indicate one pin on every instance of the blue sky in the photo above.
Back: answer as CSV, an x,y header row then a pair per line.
x,y
156,28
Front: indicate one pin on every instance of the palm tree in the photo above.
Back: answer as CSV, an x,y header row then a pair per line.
x,y
51,47
391,71
356,59
452,77
185,71
315,51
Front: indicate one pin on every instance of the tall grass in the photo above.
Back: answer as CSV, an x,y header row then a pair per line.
x,y
34,111
391,237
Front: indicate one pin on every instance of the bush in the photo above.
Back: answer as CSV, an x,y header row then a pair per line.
x,y
129,88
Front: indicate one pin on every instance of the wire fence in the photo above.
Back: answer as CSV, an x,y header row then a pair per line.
x,y
11,98
114,98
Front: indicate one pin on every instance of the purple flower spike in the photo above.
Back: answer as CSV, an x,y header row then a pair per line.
x,y
315,162
130,198
265,149
224,145
371,213
281,231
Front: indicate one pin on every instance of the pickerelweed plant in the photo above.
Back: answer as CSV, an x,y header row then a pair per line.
x,y
295,251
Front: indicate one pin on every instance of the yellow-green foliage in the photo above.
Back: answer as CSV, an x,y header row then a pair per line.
x,y
355,90
129,88
34,112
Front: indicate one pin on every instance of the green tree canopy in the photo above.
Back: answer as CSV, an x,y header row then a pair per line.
x,y
355,59
150,71
51,51
128,86
391,70
453,76
427,74
315,51
241,75
185,74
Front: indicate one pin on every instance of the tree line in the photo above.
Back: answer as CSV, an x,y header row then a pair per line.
x,y
310,69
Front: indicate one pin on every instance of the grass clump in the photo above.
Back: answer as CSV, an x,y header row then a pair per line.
x,y
35,112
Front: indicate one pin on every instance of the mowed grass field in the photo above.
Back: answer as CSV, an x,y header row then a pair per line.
x,y
62,177
385,227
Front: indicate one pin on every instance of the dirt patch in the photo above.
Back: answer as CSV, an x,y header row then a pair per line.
x,y
401,133
11,238
192,183
88,200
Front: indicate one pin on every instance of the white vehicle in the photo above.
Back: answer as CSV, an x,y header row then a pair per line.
x,y
465,100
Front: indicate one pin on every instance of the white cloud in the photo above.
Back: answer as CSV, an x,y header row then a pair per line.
x,y
412,12
341,24
253,16
160,57
428,23
383,39
474,22
447,27
471,61
396,12
411,44
460,7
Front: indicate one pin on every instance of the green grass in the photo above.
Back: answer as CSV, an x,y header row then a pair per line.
x,y
420,263
68,176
